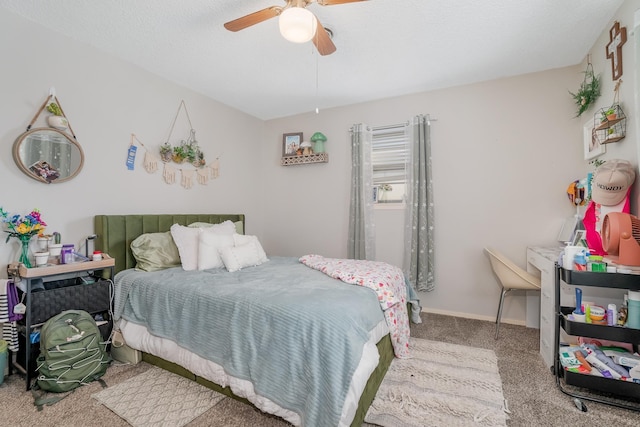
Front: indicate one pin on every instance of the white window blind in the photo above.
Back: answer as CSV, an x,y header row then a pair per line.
x,y
390,157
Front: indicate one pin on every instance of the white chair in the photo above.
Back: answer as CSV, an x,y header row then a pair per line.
x,y
510,277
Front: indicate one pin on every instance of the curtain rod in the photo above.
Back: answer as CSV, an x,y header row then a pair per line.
x,y
427,117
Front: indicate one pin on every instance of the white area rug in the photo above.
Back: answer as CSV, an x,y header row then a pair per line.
x,y
158,398
441,385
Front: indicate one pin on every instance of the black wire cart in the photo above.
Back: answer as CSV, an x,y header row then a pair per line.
x,y
623,394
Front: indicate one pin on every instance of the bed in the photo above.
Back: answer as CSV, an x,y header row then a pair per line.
x,y
370,348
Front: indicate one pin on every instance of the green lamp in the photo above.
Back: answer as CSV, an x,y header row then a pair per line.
x,y
318,140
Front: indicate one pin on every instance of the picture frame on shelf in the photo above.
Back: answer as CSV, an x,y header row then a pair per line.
x,y
592,146
291,143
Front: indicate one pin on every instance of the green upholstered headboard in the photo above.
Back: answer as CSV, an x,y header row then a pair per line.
x,y
116,232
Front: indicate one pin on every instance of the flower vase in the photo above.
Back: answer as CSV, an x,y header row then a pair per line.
x,y
24,253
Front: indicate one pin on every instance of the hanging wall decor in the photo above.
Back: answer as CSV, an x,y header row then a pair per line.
x,y
589,89
51,154
610,123
617,37
187,154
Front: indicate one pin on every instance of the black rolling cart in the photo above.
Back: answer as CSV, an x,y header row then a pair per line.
x,y
623,394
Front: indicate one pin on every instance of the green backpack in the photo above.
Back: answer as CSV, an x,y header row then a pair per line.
x,y
72,352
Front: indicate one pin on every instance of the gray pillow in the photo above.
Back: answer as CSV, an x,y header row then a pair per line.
x,y
155,251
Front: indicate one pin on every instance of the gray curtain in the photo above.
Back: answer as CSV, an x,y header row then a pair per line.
x,y
419,225
361,241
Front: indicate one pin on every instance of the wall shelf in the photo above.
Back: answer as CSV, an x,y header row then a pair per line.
x,y
303,160
612,128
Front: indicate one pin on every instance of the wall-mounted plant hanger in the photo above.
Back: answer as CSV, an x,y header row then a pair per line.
x,y
589,89
187,153
610,123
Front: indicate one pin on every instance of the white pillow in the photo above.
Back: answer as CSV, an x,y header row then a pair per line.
x,y
238,257
186,240
240,240
226,226
247,252
209,246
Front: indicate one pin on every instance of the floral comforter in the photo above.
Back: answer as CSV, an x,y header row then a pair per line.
x,y
385,279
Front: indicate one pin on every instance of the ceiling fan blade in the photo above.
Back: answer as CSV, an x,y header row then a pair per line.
x,y
332,2
253,18
322,40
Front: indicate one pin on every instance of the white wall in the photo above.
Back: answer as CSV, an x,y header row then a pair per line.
x,y
106,100
626,148
503,152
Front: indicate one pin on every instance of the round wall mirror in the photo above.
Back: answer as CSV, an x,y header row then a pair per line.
x,y
48,155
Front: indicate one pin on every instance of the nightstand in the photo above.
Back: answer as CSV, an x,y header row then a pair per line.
x,y
49,290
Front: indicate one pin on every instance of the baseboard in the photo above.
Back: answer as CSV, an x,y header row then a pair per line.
x,y
473,316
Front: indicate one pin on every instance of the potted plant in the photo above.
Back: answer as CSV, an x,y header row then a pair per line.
x,y
191,152
179,154
166,152
611,133
609,114
58,120
589,91
199,160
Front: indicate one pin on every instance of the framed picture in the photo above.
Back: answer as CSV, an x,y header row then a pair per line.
x,y
592,147
580,238
291,143
45,171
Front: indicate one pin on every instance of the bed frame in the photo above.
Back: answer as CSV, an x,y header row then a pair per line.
x,y
114,236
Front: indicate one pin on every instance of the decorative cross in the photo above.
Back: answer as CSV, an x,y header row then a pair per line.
x,y
617,37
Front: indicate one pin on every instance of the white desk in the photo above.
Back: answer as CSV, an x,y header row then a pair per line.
x,y
541,261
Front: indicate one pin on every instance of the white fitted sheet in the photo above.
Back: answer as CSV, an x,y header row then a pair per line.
x,y
137,337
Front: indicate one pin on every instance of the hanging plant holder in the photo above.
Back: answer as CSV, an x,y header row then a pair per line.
x,y
188,150
589,90
610,123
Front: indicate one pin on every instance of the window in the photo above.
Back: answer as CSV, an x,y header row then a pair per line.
x,y
389,157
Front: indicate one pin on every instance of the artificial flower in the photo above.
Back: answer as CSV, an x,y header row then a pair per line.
x,y
23,227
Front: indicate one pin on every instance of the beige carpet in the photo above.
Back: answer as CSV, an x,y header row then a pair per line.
x,y
441,384
158,398
528,386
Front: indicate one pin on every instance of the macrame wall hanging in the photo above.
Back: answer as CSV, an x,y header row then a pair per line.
x,y
187,154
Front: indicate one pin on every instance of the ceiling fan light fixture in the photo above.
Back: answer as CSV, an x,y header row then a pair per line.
x,y
297,24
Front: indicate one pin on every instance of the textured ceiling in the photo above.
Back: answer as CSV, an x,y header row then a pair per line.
x,y
385,48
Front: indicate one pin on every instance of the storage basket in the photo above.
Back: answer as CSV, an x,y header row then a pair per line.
x,y
87,297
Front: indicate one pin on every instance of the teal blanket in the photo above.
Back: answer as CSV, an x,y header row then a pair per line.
x,y
294,332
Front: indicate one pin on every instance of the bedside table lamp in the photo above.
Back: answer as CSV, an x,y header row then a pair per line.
x,y
318,140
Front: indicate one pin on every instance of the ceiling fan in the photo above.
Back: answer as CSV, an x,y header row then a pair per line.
x,y
297,24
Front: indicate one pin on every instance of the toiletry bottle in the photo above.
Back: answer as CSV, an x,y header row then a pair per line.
x,y
611,314
580,262
622,314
